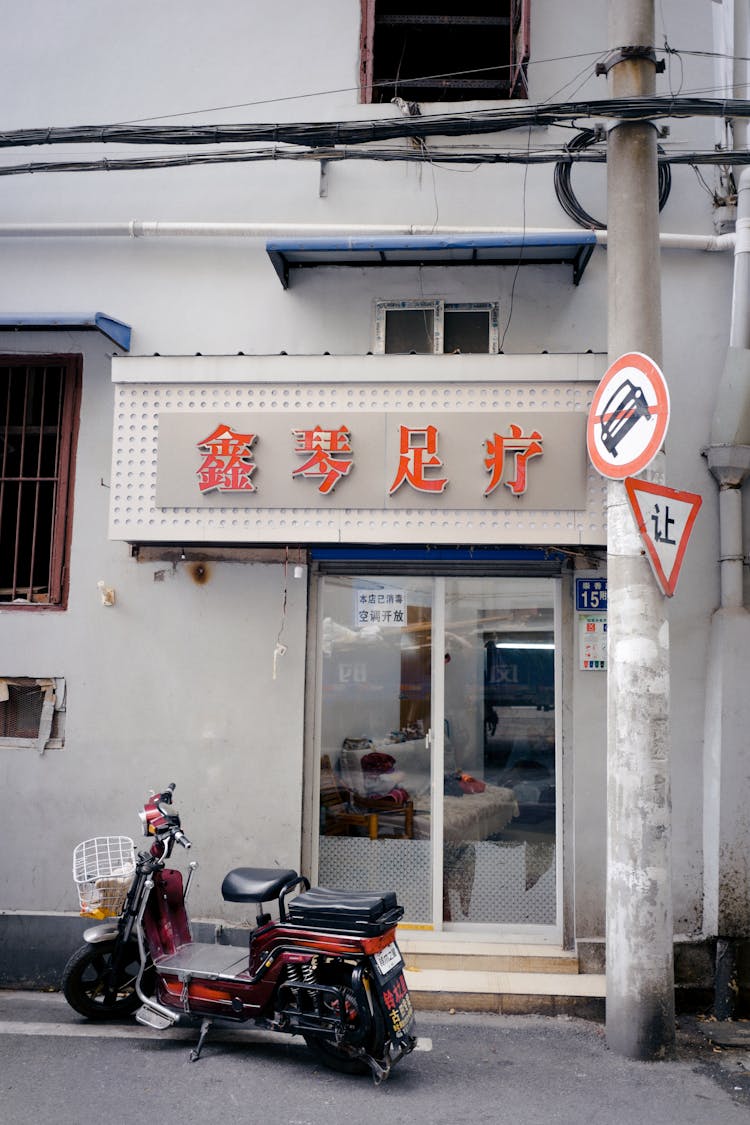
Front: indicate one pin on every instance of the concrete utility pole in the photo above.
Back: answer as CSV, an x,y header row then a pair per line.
x,y
640,966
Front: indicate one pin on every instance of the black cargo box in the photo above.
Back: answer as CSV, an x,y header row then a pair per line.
x,y
363,913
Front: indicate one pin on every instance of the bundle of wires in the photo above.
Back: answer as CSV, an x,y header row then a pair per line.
x,y
564,188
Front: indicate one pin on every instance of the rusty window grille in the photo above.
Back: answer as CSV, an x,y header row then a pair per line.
x,y
32,713
438,51
39,398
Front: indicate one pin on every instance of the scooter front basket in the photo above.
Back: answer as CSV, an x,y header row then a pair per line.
x,y
103,870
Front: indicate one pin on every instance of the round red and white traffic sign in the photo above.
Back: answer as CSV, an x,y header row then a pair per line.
x,y
628,417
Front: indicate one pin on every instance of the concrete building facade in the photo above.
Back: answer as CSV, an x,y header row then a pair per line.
x,y
332,538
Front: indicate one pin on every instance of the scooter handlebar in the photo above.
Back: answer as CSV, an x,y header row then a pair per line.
x,y
182,839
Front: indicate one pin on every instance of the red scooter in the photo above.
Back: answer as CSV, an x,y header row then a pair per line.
x,y
328,968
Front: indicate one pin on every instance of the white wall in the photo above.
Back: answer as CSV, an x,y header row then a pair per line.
x,y
175,681
172,683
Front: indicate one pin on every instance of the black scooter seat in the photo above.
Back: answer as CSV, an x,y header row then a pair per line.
x,y
371,904
364,913
256,884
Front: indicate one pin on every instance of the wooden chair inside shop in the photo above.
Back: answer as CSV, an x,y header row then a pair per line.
x,y
345,811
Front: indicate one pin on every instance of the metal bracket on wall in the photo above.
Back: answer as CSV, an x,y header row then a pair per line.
x,y
323,184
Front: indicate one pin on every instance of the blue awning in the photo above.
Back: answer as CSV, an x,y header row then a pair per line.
x,y
529,249
117,331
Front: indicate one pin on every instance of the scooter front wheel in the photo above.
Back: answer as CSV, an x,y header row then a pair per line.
x,y
92,988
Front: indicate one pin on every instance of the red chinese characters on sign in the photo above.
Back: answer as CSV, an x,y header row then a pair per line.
x,y
330,455
522,450
227,461
417,454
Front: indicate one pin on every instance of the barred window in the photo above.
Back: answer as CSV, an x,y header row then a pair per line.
x,y
32,713
39,402
437,50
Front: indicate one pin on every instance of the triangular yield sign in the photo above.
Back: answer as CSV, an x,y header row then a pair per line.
x,y
665,518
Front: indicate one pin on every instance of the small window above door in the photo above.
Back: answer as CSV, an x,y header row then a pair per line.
x,y
435,327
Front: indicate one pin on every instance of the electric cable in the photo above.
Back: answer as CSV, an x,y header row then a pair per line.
x,y
445,158
567,198
595,56
320,134
501,345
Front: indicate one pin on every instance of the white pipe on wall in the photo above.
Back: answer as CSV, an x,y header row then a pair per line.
x,y
739,333
136,228
730,547
734,469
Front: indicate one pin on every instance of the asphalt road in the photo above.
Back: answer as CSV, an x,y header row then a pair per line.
x,y
526,1070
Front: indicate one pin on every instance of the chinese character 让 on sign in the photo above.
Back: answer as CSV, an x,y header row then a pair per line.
x,y
329,455
662,522
227,461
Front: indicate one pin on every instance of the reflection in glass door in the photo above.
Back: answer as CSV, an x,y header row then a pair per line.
x,y
436,736
499,807
374,736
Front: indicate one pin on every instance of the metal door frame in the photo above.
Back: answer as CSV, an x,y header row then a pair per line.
x,y
552,933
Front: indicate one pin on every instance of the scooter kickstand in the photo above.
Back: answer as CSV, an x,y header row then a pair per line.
x,y
379,1072
195,1054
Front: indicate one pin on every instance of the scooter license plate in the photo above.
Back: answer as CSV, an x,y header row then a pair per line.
x,y
387,959
398,1005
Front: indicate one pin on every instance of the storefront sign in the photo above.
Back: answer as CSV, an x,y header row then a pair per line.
x,y
375,460
454,449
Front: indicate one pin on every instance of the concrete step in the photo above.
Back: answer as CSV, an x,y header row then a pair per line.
x,y
507,979
486,956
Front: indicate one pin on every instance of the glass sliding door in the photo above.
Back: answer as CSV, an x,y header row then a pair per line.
x,y
499,808
436,739
374,726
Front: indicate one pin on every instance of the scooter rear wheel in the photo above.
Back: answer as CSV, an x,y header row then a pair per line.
x,y
87,986
338,1058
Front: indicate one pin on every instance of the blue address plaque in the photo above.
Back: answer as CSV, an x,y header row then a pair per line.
x,y
591,595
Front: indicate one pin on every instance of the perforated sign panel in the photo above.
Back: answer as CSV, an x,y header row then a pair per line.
x,y
157,400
